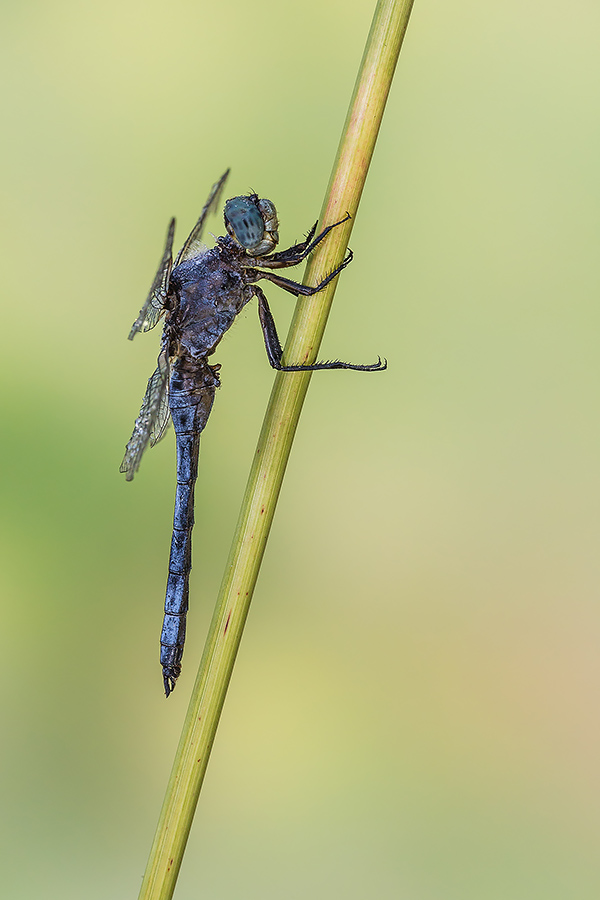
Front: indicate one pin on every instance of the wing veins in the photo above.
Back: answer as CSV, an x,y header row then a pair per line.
x,y
193,243
155,302
152,420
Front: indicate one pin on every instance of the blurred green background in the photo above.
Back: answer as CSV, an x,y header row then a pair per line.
x,y
414,711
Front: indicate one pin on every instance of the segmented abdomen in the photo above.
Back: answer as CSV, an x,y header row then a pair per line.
x,y
190,404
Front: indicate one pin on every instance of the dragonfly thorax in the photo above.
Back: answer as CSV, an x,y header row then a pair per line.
x,y
252,222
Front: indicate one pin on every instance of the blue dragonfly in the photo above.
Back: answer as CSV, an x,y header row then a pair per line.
x,y
199,297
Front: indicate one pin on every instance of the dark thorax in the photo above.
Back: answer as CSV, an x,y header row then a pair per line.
x,y
208,293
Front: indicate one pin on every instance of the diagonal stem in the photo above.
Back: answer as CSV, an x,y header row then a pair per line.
x,y
258,507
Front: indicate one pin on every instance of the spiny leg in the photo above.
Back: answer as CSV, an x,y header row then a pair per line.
x,y
274,351
272,342
290,257
294,255
292,286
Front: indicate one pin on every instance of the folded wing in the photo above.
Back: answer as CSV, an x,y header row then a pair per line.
x,y
193,246
157,298
153,419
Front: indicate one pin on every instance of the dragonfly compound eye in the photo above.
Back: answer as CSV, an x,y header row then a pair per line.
x,y
253,223
244,222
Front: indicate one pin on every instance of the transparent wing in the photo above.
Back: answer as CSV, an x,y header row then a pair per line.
x,y
163,416
155,302
193,246
153,419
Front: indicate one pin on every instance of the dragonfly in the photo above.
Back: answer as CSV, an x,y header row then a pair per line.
x,y
199,297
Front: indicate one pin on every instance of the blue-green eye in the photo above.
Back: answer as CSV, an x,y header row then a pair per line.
x,y
245,221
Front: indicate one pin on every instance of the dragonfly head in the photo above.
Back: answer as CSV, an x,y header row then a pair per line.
x,y
252,223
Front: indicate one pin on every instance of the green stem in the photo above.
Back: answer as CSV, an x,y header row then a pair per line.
x,y
345,188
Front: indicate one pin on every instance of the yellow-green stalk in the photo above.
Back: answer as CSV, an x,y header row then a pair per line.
x,y
274,445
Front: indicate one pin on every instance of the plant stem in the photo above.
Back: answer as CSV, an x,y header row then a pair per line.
x,y
345,188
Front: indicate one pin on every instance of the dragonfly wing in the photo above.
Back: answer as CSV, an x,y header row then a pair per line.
x,y
155,302
153,419
193,246
163,417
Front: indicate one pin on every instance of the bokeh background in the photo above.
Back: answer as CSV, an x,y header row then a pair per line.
x,y
414,712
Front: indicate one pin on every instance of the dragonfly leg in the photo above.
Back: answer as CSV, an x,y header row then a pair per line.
x,y
293,287
294,255
275,352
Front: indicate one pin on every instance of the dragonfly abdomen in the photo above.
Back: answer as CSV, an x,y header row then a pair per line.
x,y
190,412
